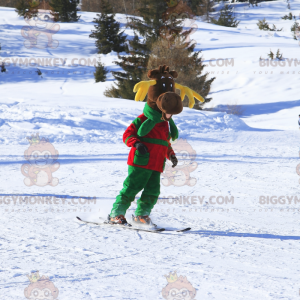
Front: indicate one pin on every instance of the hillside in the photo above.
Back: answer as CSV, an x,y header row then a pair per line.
x,y
240,248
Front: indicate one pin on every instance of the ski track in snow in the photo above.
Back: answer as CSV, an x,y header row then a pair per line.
x,y
240,250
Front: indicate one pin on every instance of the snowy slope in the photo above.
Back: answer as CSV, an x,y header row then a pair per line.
x,y
242,249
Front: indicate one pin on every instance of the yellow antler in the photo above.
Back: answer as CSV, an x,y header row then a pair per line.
x,y
142,89
184,90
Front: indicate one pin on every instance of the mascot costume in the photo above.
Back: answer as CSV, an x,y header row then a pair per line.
x,y
149,138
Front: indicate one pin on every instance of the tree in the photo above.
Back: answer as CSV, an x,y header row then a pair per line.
x,y
134,63
101,71
271,54
188,65
134,66
65,10
107,34
3,69
295,30
26,8
22,7
201,7
288,17
148,44
226,17
263,25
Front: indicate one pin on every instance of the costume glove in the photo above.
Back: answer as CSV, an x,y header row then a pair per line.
x,y
141,147
174,160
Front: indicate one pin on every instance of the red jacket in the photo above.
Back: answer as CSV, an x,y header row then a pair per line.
x,y
157,142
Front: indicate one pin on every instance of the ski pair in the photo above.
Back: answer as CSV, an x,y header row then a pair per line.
x,y
129,226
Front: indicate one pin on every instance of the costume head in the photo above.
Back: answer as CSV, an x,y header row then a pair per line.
x,y
162,96
161,92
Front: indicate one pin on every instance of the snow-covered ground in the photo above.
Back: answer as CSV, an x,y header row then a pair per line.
x,y
240,246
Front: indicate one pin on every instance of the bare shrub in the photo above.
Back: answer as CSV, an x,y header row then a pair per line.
x,y
188,65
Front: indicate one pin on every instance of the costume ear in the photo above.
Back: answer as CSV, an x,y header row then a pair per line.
x,y
174,74
152,74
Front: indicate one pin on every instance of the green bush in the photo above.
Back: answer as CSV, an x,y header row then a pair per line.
x,y
288,17
263,25
226,17
101,71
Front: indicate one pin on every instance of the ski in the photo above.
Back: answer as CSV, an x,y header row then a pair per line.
x,y
127,226
180,230
166,229
130,226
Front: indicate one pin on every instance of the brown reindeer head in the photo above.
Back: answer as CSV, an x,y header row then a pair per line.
x,y
162,96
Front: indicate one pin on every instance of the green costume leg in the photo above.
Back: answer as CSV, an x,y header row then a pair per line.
x,y
136,180
149,196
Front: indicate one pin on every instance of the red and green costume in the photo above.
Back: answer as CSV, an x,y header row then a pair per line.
x,y
144,170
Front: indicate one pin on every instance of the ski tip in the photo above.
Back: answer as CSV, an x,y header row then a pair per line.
x,y
78,218
183,230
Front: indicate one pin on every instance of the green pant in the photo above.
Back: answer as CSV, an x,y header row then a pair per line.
x,y
138,179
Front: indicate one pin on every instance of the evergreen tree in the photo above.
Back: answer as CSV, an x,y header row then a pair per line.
x,y
107,35
295,30
147,45
101,71
3,69
26,8
65,10
201,7
226,17
22,7
263,25
134,64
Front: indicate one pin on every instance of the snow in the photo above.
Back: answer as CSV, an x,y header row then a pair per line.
x,y
242,249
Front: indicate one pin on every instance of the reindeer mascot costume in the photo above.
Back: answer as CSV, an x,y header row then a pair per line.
x,y
149,138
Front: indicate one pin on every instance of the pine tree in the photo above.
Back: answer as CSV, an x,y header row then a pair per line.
x,y
3,69
26,8
134,63
271,54
65,10
107,34
226,17
201,7
101,71
295,29
263,25
134,66
22,7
